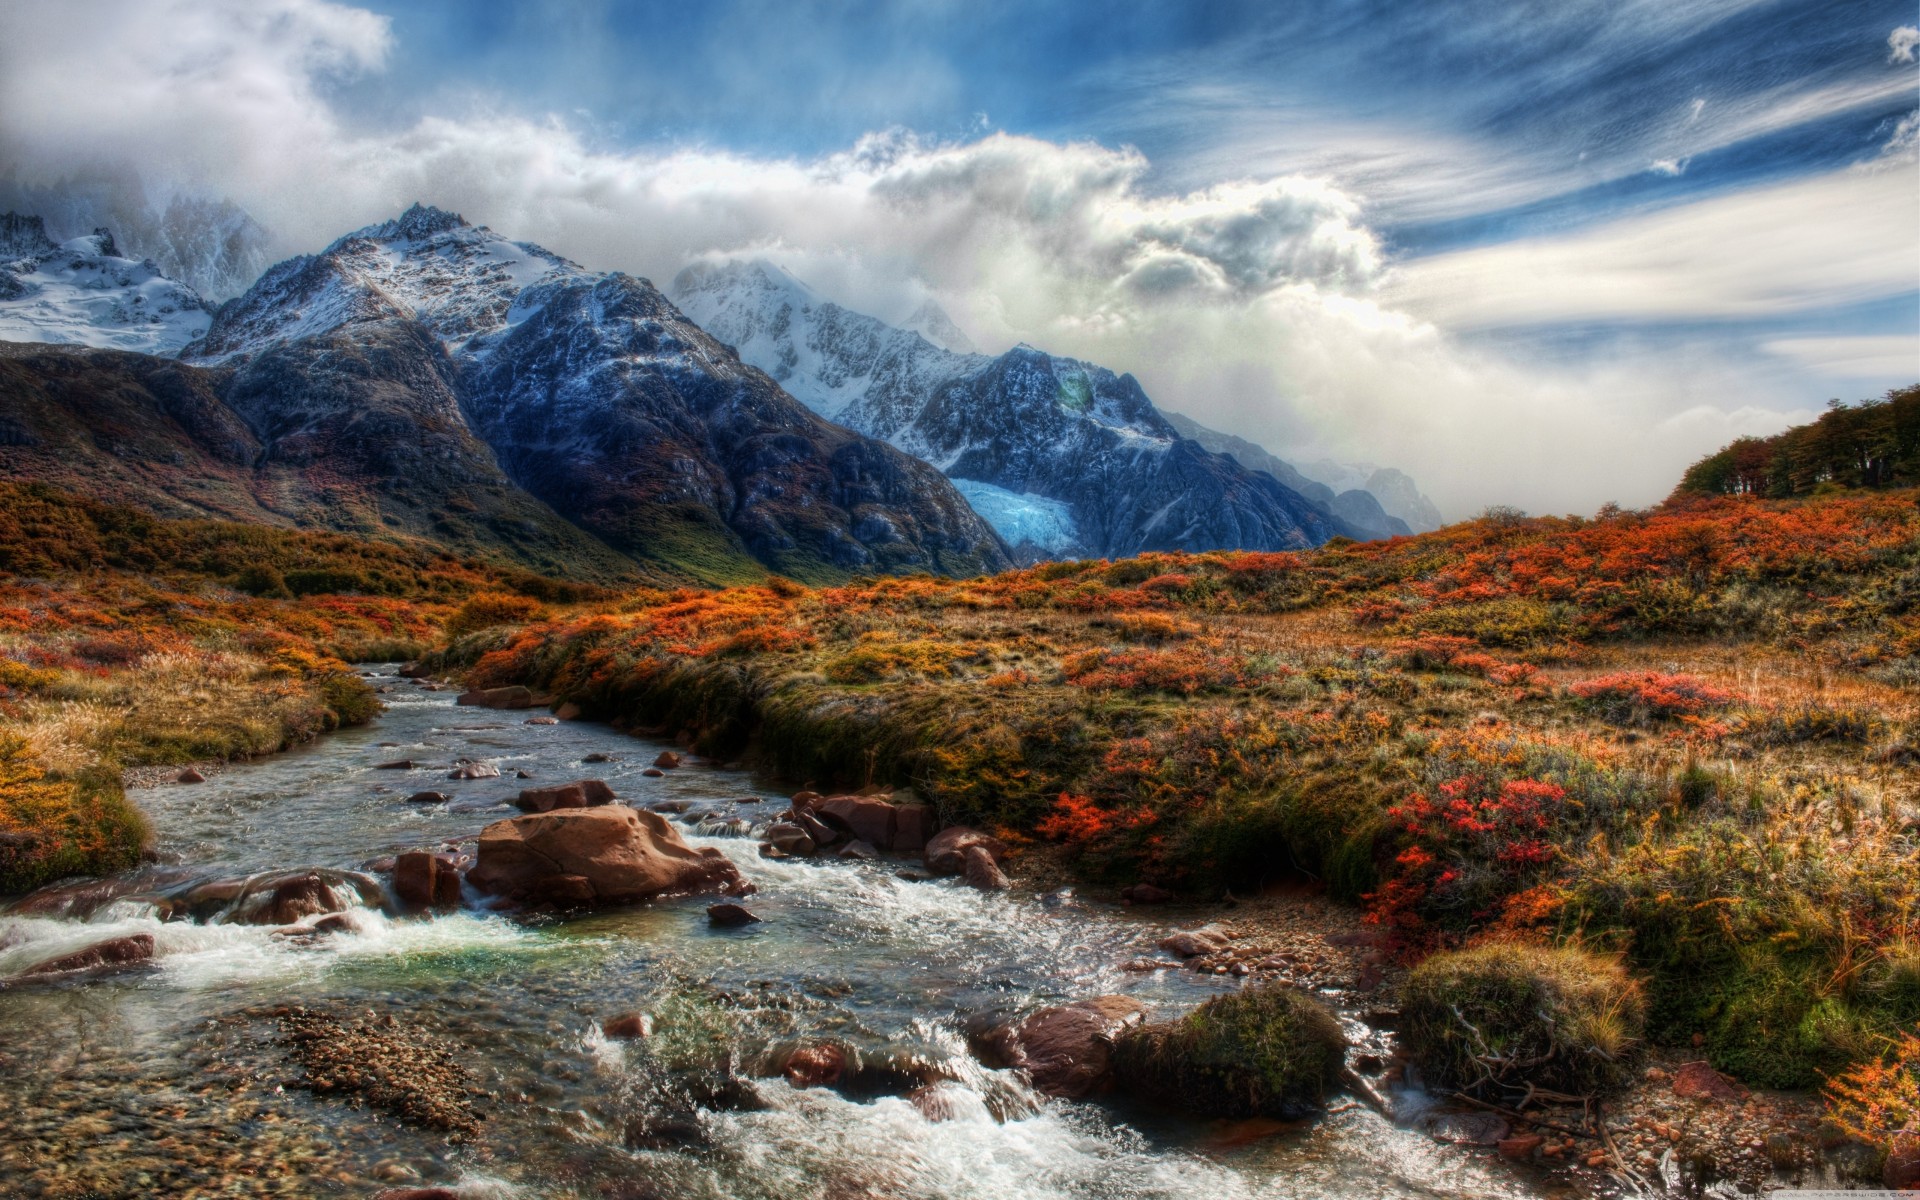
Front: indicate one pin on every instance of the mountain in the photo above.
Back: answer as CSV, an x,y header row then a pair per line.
x,y
1065,458
211,245
83,292
594,395
1375,514
1395,490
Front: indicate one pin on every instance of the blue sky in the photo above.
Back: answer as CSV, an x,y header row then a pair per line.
x,y
1452,236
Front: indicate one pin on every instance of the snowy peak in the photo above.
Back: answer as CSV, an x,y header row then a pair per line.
x,y
418,223
931,321
461,281
83,293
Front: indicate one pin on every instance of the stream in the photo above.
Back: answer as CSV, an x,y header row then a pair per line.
x,y
173,1078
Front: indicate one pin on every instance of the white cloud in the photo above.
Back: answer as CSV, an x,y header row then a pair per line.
x,y
1253,304
1839,238
1881,356
1901,43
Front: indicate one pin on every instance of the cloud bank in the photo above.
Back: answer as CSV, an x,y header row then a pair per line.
x,y
1264,306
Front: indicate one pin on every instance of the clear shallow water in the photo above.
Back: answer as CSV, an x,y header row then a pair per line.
x,y
171,1081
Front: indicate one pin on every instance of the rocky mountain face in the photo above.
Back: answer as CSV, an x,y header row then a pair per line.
x,y
362,435
1065,458
592,393
84,292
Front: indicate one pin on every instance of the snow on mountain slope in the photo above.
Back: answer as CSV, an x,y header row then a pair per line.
x,y
459,280
82,292
211,245
1114,477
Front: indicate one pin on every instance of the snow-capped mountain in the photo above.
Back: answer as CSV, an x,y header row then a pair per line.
x,y
1063,457
596,396
83,292
211,245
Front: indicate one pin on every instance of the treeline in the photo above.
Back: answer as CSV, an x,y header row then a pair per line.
x,y
1873,444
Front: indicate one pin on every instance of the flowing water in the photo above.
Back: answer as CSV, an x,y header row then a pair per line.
x,y
174,1079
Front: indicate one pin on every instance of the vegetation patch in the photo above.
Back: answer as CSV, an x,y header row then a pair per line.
x,y
1267,1051
1504,1018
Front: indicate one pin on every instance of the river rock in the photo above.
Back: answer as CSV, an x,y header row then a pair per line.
x,y
285,899
428,798
628,1027
1191,943
981,871
789,838
856,850
116,952
418,1193
398,764
1699,1081
667,760
541,721
582,793
474,770
189,775
876,820
502,697
653,772
1468,1128
823,834
621,854
730,916
945,852
568,711
426,879
818,1065
1145,893
1066,1050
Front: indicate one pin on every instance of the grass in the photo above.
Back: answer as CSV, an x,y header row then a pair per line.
x,y
1266,1051
1500,1018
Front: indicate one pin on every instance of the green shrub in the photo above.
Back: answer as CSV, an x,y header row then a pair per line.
x,y
1264,1052
1497,1018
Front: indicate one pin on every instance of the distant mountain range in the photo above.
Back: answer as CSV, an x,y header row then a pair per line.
x,y
1064,457
424,378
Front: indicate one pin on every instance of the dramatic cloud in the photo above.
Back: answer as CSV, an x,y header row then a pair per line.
x,y
1901,43
1266,306
1751,254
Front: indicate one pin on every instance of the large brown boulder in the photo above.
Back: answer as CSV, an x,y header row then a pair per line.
x,y
118,952
946,851
426,879
980,871
1067,1050
588,856
876,820
583,793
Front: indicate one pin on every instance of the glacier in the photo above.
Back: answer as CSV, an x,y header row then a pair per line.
x,y
1022,519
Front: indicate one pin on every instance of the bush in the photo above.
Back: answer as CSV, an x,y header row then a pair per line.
x,y
492,608
1642,697
1498,1018
1263,1052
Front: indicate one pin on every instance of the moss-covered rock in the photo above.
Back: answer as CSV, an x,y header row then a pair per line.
x,y
1263,1052
1502,1017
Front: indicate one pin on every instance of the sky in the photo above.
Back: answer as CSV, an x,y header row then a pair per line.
x,y
1534,252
